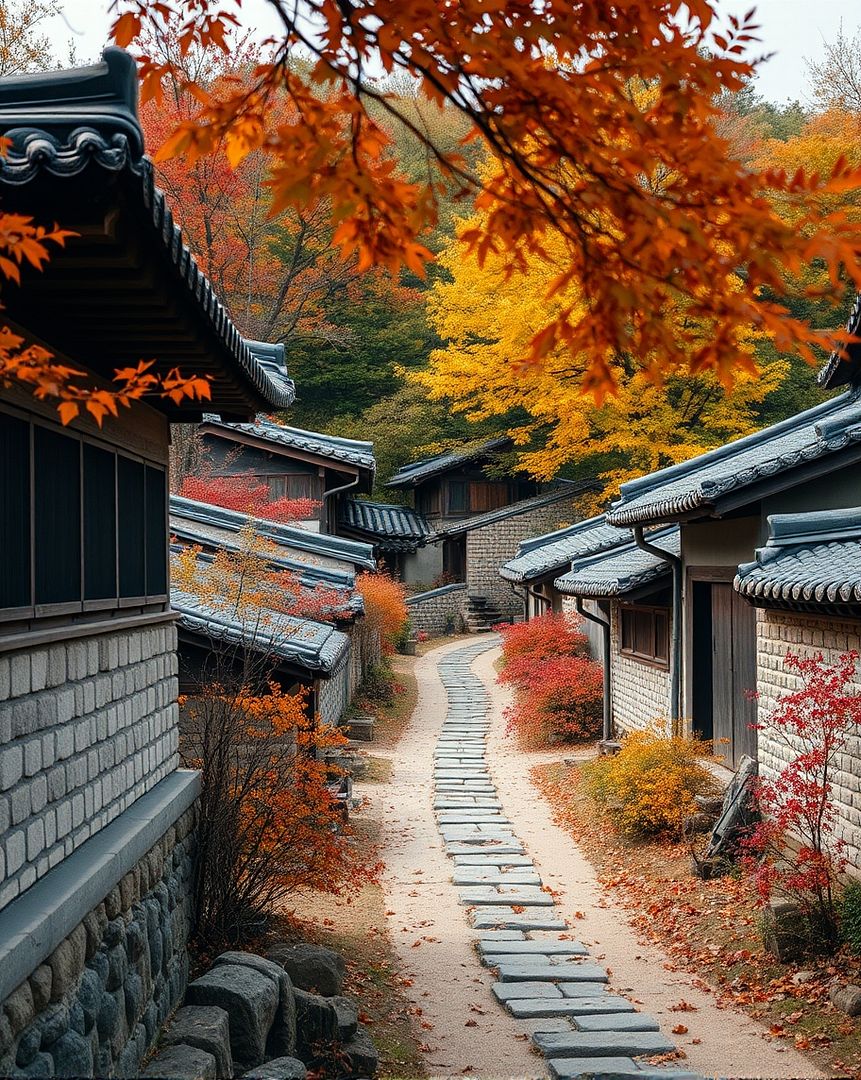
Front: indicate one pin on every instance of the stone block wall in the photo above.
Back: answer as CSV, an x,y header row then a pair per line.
x,y
96,1004
777,633
87,726
640,692
487,548
437,611
334,695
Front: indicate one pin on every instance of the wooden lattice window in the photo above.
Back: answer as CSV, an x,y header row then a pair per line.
x,y
645,633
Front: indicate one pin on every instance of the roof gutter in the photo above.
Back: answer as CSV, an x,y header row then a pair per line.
x,y
337,491
608,686
675,562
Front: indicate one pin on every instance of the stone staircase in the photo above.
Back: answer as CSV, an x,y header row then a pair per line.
x,y
481,615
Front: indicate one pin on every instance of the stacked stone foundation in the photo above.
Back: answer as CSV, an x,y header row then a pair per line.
x,y
96,1003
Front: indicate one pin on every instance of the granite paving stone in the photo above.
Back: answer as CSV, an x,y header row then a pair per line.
x,y
540,948
628,1022
617,1068
523,972
607,1043
522,895
502,935
488,918
479,875
488,858
526,1008
532,990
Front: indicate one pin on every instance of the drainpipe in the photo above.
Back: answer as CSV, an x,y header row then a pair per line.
x,y
676,643
337,491
608,692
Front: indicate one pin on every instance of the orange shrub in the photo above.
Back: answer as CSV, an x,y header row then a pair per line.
x,y
649,786
385,607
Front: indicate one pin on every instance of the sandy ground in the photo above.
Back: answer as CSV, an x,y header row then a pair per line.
x,y
730,1043
465,1031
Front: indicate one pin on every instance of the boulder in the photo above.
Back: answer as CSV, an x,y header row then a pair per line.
x,y
316,1024
846,998
347,1017
250,1000
283,1068
181,1063
785,931
364,1059
282,1036
73,1055
311,967
206,1027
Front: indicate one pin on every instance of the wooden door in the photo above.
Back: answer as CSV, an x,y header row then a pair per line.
x,y
733,674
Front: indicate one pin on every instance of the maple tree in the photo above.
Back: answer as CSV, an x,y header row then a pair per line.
x,y
23,47
385,608
796,850
545,89
487,318
248,495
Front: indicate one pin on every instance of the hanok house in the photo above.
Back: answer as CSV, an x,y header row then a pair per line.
x,y
96,818
314,561
804,586
292,463
721,501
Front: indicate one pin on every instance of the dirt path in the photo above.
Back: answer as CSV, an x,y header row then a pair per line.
x,y
466,1032
729,1043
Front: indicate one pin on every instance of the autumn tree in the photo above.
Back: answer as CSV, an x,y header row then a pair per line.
x,y
836,79
486,320
23,44
543,88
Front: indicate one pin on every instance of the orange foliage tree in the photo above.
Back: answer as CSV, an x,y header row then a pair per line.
x,y
248,495
654,210
385,608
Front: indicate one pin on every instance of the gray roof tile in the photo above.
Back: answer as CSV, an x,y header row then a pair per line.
x,y
349,451
695,487
419,471
620,570
810,560
542,555
392,527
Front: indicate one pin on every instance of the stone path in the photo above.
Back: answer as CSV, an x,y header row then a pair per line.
x,y
544,977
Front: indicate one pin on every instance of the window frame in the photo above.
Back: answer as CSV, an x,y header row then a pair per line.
x,y
653,612
81,606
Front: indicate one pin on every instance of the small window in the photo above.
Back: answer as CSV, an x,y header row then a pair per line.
x,y
293,486
645,633
14,512
100,523
132,547
57,504
458,494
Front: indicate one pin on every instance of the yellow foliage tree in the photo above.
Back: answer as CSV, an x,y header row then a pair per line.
x,y
487,318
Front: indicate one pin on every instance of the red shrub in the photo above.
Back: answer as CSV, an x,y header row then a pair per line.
x,y
558,687
248,496
527,644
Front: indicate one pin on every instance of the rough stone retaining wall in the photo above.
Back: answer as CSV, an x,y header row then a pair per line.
x,y
487,548
95,1005
335,693
778,633
86,727
439,610
641,692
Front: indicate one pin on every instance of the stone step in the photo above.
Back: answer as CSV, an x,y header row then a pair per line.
x,y
479,875
532,1008
534,948
532,991
457,847
619,1068
592,1044
502,935
634,1021
490,918
479,858
522,895
513,969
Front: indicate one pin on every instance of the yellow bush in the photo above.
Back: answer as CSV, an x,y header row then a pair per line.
x,y
649,786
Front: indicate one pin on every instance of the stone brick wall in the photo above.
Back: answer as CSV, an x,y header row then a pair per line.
x,y
492,545
437,611
335,694
778,633
95,1006
87,726
641,692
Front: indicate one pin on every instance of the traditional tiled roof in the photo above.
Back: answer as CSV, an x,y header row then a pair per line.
x,y
314,647
543,555
809,444
340,582
391,527
418,471
332,447
840,370
322,545
562,489
810,561
75,135
621,570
